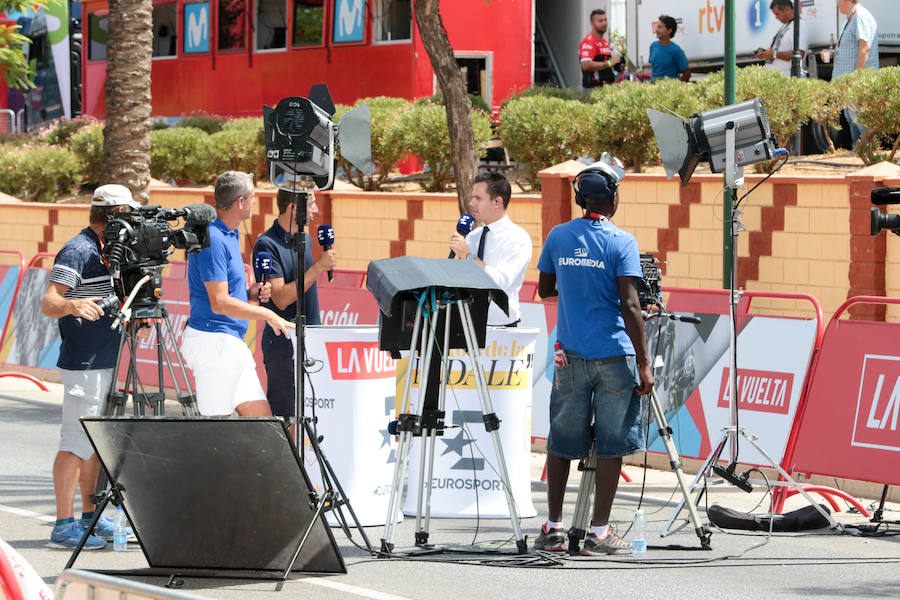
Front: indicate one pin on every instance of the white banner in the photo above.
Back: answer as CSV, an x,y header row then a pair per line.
x,y
354,400
466,480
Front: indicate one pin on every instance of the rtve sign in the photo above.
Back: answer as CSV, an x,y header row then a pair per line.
x,y
878,404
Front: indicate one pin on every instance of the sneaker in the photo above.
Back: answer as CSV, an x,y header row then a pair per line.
x,y
554,540
105,527
611,544
68,536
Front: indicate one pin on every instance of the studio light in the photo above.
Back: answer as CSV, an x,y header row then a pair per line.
x,y
684,144
301,140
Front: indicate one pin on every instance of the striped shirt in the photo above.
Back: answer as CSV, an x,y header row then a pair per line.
x,y
80,268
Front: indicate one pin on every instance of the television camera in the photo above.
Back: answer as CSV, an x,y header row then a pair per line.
x,y
137,245
879,220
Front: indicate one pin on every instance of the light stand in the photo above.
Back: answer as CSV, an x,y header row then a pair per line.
x,y
299,239
734,178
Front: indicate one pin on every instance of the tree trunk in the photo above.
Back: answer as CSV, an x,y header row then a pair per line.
x,y
126,136
456,102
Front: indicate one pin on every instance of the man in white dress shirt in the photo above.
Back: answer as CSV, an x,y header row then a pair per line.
x,y
500,247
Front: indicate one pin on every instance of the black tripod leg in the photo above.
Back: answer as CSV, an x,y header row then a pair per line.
x,y
98,510
323,499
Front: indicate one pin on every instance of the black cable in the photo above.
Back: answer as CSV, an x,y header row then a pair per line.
x,y
763,180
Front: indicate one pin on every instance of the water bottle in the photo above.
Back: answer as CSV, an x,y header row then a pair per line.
x,y
120,535
639,539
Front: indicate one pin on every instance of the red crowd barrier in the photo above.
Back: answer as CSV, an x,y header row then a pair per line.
x,y
847,422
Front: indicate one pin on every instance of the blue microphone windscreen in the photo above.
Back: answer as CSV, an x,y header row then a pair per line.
x,y
325,235
263,263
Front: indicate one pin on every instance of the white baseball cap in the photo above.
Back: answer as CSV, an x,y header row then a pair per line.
x,y
113,194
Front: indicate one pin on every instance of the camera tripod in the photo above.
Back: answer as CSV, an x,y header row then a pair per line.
x,y
429,423
587,466
132,320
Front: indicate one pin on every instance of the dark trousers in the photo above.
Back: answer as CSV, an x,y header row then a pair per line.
x,y
278,357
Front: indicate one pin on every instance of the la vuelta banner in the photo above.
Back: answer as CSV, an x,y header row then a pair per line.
x,y
693,382
466,480
851,425
353,401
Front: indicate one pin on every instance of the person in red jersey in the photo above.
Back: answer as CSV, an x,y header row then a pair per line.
x,y
598,61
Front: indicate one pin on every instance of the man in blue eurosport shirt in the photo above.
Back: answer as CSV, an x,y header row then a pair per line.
x,y
667,59
604,369
87,357
278,351
213,343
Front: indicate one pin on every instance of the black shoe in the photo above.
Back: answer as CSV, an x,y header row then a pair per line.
x,y
554,540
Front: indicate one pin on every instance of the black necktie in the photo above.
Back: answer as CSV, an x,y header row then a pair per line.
x,y
481,243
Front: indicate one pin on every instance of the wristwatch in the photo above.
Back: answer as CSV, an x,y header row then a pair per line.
x,y
470,256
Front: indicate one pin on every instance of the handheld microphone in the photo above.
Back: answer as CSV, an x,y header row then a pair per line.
x,y
263,266
463,227
885,195
326,239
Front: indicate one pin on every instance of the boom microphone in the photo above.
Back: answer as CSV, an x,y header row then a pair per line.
x,y
463,227
326,239
885,195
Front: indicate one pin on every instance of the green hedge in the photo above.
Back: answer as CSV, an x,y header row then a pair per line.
x,y
39,173
181,154
424,133
878,104
87,145
541,131
386,140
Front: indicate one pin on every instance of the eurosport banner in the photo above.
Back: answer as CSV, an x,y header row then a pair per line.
x,y
850,424
466,480
353,402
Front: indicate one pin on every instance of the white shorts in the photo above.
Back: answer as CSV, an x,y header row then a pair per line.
x,y
83,394
224,371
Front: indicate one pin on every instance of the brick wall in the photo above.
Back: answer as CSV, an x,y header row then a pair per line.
x,y
804,234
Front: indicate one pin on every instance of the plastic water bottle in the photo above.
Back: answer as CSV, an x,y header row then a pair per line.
x,y
120,535
639,539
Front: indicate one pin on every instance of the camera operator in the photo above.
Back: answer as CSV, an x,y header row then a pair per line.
x,y
278,352
213,344
87,357
603,367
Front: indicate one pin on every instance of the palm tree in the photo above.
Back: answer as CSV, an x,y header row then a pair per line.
x,y
126,136
456,101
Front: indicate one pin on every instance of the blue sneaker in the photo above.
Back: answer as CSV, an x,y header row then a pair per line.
x,y
68,536
105,527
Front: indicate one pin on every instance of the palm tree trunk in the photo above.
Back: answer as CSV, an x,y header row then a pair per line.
x,y
456,102
126,136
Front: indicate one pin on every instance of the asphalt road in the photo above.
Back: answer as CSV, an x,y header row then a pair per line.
x,y
821,564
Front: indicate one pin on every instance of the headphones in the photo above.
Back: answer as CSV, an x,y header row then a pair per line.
x,y
598,176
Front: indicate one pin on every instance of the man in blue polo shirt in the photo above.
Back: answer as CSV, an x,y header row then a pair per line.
x,y
603,368
667,59
87,357
278,352
213,343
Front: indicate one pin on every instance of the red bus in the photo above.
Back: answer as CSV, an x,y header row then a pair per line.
x,y
230,57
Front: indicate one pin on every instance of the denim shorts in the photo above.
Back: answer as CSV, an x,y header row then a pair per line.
x,y
605,391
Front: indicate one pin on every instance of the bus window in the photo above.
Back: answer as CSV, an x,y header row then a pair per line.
x,y
392,20
232,28
307,22
97,27
165,30
271,24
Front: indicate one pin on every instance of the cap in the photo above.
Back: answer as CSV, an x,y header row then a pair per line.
x,y
600,179
113,194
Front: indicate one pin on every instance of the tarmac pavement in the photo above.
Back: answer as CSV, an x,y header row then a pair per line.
x,y
820,564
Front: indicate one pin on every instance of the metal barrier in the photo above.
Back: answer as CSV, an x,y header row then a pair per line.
x,y
842,428
7,124
75,584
